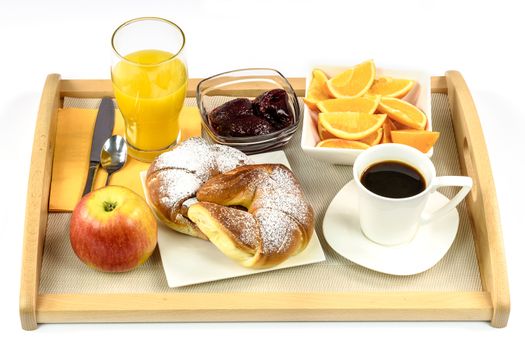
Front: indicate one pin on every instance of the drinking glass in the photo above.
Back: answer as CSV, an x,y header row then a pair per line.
x,y
150,78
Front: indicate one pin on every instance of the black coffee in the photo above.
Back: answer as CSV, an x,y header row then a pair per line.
x,y
393,179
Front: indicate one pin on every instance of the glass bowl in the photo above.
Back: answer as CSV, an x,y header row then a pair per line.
x,y
218,89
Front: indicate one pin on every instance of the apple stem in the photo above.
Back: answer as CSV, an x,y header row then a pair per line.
x,y
109,206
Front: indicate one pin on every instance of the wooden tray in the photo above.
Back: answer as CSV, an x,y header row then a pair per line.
x,y
492,303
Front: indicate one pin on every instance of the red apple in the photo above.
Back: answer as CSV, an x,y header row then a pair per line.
x,y
113,229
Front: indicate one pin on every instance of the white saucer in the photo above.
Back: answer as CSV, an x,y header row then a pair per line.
x,y
432,241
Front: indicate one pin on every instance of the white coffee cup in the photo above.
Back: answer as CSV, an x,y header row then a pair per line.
x,y
393,221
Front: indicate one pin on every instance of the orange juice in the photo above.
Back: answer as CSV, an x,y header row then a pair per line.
x,y
150,87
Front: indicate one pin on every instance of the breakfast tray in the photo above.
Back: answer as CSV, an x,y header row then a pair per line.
x,y
469,283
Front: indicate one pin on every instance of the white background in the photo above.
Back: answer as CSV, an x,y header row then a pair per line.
x,y
483,40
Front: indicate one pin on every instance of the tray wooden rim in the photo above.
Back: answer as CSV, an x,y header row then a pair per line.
x,y
491,304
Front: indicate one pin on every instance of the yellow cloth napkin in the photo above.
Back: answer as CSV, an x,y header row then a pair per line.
x,y
71,160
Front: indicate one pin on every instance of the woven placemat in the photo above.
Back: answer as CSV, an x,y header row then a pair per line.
x,y
62,272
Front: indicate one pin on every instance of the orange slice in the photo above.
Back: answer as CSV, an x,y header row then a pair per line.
x,y
374,138
364,104
388,126
323,133
403,112
316,92
341,79
353,82
339,143
391,87
421,139
398,126
350,125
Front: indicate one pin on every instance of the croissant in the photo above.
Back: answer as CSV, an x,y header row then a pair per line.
x,y
277,221
175,176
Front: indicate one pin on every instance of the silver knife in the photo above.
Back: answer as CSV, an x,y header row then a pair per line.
x,y
103,130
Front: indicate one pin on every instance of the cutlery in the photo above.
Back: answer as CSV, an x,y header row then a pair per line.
x,y
113,155
103,130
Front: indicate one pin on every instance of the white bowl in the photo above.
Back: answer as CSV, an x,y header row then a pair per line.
x,y
419,96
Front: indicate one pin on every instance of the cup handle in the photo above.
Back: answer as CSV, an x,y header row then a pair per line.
x,y
443,181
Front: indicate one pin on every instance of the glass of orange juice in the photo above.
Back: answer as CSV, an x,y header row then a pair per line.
x,y
149,77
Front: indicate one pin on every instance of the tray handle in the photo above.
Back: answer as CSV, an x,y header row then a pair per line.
x,y
37,200
482,200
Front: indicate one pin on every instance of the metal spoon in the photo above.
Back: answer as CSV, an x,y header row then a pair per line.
x,y
113,155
